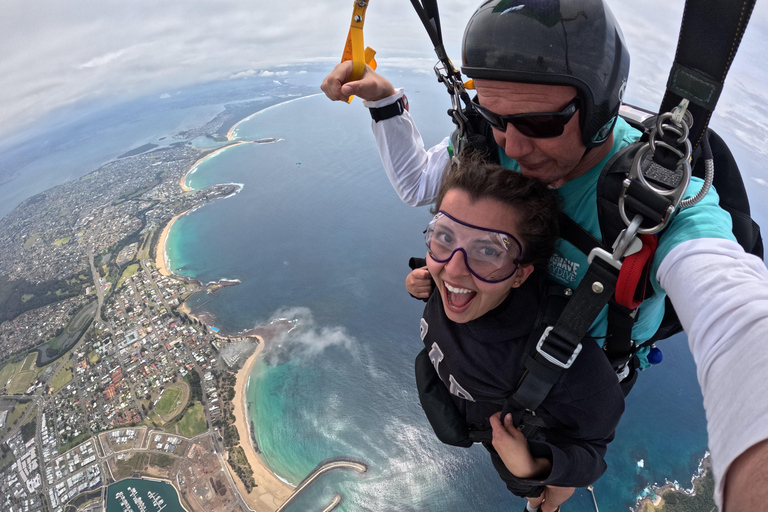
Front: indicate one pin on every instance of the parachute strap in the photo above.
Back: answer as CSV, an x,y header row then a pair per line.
x,y
448,75
353,48
552,350
710,34
631,286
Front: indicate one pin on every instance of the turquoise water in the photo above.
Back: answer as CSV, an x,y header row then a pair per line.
x,y
317,234
142,488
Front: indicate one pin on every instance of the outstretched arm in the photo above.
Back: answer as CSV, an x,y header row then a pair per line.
x,y
415,173
720,294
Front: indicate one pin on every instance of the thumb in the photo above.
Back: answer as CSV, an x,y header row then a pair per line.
x,y
351,88
496,422
509,423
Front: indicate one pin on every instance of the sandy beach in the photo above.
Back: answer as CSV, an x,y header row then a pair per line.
x,y
271,491
183,180
160,263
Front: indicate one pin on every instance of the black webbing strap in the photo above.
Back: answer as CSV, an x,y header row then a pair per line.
x,y
559,346
709,37
579,237
618,345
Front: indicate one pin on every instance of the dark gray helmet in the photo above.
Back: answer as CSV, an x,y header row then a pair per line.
x,y
555,42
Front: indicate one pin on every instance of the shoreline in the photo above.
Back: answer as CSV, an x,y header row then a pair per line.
x,y
161,262
183,179
271,491
653,501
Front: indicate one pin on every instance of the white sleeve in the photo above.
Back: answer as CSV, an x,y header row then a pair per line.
x,y
720,294
414,172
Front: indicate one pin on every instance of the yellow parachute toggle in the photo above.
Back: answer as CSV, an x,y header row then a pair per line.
x,y
353,49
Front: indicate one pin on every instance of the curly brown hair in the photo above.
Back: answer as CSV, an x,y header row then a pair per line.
x,y
536,204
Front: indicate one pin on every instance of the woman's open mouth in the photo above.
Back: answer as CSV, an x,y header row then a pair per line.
x,y
458,299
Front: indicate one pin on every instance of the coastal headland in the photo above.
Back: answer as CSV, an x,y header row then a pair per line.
x,y
671,497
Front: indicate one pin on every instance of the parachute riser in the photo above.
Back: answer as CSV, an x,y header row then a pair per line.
x,y
460,100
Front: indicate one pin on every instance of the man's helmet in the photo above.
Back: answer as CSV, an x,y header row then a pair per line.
x,y
554,42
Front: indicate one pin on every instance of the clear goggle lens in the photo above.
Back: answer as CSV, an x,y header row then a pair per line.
x,y
491,256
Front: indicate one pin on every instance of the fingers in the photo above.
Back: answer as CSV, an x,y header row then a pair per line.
x,y
509,424
371,85
332,84
497,426
505,432
418,283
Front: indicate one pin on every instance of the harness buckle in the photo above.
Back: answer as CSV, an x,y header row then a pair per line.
x,y
552,359
670,184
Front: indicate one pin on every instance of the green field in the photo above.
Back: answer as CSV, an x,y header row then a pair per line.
x,y
62,241
17,413
30,241
29,362
74,442
128,272
17,377
62,378
193,422
126,468
167,403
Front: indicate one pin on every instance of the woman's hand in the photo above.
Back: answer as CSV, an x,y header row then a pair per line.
x,y
419,283
512,447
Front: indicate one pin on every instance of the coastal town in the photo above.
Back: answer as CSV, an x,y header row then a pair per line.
x,y
105,373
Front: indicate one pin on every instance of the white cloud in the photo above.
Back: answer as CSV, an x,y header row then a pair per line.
x,y
305,339
76,50
253,72
103,60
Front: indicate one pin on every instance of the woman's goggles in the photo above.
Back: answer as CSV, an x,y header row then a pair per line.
x,y
536,125
490,256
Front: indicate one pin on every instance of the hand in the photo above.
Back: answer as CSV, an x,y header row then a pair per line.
x,y
371,86
512,447
419,283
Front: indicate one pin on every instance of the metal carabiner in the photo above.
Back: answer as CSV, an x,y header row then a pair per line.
x,y
669,183
626,243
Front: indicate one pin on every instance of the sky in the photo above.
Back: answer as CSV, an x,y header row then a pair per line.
x,y
95,51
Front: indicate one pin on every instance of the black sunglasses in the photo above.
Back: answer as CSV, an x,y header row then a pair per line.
x,y
536,125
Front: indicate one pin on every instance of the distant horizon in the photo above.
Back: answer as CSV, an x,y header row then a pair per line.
x,y
58,58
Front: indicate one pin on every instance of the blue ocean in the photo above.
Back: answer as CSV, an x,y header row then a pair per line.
x,y
318,235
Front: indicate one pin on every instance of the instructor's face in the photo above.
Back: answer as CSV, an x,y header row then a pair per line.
x,y
554,161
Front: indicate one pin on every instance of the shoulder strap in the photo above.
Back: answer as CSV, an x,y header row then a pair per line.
x,y
710,34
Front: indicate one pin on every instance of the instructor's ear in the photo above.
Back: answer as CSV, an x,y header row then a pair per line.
x,y
521,274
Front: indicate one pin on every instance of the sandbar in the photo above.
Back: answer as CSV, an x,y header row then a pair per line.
x,y
271,491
